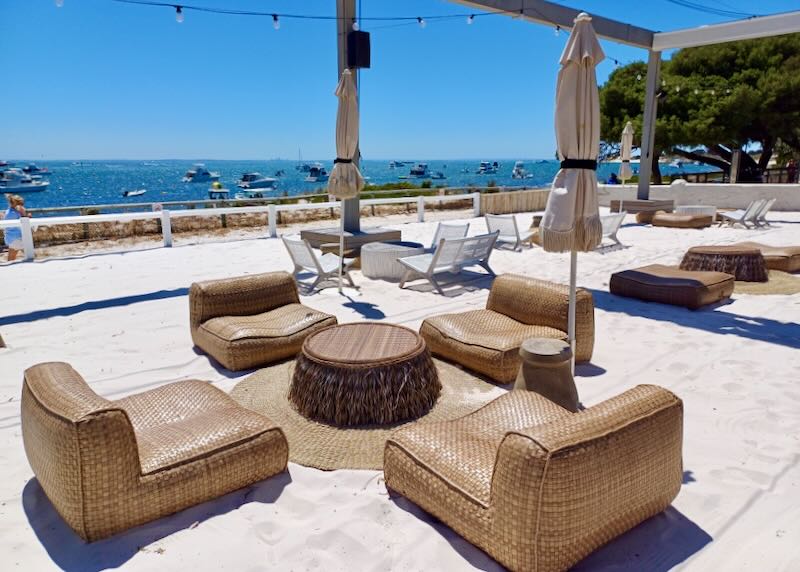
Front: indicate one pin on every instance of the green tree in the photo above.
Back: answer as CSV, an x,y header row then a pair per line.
x,y
714,100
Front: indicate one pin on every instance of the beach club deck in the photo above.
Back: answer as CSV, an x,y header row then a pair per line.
x,y
122,320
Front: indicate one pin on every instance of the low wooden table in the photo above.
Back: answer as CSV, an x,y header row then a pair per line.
x,y
546,369
364,373
746,264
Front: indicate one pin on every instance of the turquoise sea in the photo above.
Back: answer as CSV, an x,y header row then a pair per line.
x,y
74,183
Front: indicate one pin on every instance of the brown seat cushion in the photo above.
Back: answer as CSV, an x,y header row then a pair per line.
x,y
783,258
671,285
278,323
483,340
676,220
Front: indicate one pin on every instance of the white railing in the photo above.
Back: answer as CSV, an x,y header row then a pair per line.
x,y
26,225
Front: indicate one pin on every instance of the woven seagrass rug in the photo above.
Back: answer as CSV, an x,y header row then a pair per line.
x,y
778,283
328,447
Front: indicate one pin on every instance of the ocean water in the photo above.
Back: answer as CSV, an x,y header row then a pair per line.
x,y
74,183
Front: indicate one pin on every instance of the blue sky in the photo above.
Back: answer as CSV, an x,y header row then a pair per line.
x,y
97,79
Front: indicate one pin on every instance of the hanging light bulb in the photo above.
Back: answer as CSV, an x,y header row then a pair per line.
x,y
59,3
663,82
713,92
696,91
275,23
356,27
470,18
638,77
727,91
422,22
678,88
558,31
178,14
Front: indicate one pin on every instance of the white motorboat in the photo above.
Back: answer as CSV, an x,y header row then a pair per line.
x,y
17,181
317,174
419,171
438,175
249,194
256,181
395,164
217,192
199,174
487,168
519,171
134,193
33,170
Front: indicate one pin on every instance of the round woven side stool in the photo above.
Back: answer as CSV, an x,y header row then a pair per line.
x,y
546,369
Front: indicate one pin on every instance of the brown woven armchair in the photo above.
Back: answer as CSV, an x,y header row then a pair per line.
x,y
110,465
251,320
518,308
540,488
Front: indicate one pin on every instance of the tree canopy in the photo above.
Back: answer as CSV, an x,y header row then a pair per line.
x,y
714,100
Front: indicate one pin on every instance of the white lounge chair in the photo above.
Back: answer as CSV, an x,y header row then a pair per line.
x,y
506,226
448,231
611,223
761,217
744,217
325,267
452,255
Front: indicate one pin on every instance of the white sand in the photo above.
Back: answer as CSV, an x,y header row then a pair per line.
x,y
121,319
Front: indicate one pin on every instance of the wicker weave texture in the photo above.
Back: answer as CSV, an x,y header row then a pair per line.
x,y
110,465
744,263
783,258
669,285
518,308
552,486
251,320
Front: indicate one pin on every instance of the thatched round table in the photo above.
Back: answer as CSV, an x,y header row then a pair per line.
x,y
745,264
364,373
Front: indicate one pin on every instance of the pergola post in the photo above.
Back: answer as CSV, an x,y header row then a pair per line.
x,y
346,12
649,124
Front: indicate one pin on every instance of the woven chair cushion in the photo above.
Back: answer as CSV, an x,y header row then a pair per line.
x,y
670,285
489,329
197,409
278,323
783,258
462,452
676,220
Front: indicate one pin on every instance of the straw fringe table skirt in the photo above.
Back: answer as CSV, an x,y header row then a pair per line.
x,y
745,264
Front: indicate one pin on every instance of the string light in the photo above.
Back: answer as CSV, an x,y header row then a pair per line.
x,y
422,22
638,77
275,22
59,3
696,91
678,88
470,19
178,14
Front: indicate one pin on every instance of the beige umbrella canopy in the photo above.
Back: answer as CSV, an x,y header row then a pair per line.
x,y
571,221
625,152
345,182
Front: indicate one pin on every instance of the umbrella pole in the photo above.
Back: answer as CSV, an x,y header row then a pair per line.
x,y
341,241
573,270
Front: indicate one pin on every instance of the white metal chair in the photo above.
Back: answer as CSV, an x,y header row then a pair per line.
x,y
325,267
743,217
761,217
452,255
448,231
611,223
508,231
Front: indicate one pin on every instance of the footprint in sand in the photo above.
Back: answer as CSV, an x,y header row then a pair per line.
x,y
736,475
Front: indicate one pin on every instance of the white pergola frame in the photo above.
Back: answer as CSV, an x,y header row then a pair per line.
x,y
553,14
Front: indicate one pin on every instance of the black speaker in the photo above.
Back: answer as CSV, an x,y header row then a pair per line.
x,y
358,50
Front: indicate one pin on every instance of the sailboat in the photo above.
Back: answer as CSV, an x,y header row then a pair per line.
x,y
302,167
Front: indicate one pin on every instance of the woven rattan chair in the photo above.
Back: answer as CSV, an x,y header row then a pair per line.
x,y
110,465
251,320
518,308
537,487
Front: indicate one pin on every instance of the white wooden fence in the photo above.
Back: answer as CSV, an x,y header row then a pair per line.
x,y
27,225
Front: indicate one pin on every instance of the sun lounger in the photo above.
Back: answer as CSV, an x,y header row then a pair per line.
x,y
325,267
518,308
744,217
682,220
761,217
252,320
509,233
611,224
452,255
536,486
691,289
111,465
783,258
449,231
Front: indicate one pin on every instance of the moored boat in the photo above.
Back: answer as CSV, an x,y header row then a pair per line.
x,y
199,174
256,181
17,181
317,174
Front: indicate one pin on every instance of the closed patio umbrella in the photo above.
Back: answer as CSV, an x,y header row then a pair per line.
x,y
571,222
345,181
626,144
